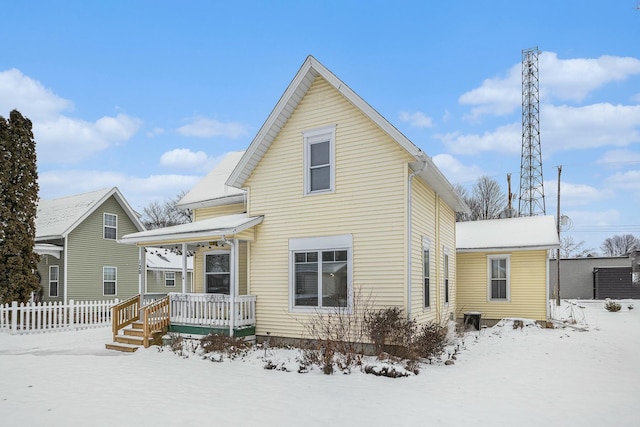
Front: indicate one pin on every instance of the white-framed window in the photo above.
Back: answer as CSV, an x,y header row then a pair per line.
x,y
217,272
54,280
446,277
109,280
426,272
498,273
319,160
321,272
169,278
110,225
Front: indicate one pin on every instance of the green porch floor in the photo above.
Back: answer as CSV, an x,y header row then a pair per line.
x,y
244,331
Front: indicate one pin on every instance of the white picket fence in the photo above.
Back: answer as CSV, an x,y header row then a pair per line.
x,y
54,316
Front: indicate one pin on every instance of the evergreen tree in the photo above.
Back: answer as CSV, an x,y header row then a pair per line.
x,y
18,207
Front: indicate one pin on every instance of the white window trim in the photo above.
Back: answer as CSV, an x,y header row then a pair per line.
x,y
329,243
57,268
174,279
489,259
313,136
426,247
115,286
104,225
204,268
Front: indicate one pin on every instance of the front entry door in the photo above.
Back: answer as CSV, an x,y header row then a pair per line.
x,y
217,273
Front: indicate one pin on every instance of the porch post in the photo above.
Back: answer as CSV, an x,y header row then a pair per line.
x,y
184,268
142,272
233,286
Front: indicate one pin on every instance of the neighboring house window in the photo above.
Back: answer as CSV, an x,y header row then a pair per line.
x,y
319,160
498,266
321,273
54,280
169,278
217,273
426,272
110,226
446,278
109,280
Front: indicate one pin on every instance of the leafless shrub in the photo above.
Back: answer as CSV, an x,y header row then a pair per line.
x,y
232,347
612,306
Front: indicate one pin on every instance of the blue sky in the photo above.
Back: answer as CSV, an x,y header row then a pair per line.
x,y
149,95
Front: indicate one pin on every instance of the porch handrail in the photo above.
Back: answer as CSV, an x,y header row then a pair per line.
x,y
156,317
124,314
213,309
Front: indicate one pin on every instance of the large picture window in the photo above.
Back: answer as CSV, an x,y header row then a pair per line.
x,y
498,274
109,280
319,164
110,226
217,273
320,276
54,280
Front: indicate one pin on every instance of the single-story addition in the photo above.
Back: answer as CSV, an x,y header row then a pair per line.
x,y
503,269
328,204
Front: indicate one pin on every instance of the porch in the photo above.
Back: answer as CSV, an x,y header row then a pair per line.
x,y
142,321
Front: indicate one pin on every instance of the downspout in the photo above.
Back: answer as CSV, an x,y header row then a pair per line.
x,y
422,157
546,301
232,284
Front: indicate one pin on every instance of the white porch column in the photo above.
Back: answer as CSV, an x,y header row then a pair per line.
x,y
233,286
142,273
184,268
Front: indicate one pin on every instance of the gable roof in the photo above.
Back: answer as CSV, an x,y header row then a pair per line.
x,y
212,190
522,233
56,218
289,101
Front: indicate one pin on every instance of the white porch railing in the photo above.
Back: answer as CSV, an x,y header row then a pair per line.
x,y
54,316
212,310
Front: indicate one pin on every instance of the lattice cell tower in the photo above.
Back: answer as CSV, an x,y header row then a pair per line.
x,y
531,200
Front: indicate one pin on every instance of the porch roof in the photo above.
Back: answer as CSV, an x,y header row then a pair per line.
x,y
205,229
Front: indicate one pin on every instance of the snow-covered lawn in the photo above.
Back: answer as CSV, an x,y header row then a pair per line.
x,y
502,377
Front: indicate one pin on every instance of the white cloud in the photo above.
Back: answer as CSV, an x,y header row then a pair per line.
x,y
617,158
575,194
626,181
417,119
506,139
581,219
183,158
59,137
560,79
205,128
155,131
139,191
454,170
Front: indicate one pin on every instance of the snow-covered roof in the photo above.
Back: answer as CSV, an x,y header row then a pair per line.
x,y
227,225
56,218
212,189
522,233
48,249
312,68
165,259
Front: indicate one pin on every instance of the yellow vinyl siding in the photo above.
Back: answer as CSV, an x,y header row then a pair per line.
x,y
211,212
528,281
369,203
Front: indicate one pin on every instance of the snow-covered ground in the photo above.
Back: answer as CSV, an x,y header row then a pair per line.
x,y
502,377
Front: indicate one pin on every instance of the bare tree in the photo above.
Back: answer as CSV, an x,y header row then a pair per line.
x,y
167,214
464,195
569,248
620,244
490,201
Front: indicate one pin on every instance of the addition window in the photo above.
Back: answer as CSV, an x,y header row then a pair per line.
x,y
319,160
54,280
320,276
169,278
426,273
109,280
110,226
446,278
217,272
498,273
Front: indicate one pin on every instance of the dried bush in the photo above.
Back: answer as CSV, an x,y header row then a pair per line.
x,y
230,346
612,306
389,327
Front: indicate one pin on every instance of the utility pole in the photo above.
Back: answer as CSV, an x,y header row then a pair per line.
x,y
558,250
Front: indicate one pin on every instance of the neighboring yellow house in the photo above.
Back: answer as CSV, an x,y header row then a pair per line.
x,y
329,202
502,267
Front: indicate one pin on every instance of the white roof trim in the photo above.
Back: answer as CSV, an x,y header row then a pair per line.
x,y
289,101
48,249
220,226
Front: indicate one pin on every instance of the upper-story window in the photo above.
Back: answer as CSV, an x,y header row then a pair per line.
x,y
319,160
110,223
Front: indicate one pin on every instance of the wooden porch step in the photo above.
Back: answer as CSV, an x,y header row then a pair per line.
x,y
126,348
